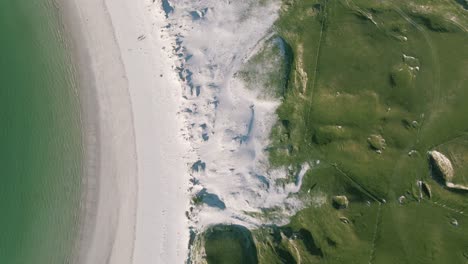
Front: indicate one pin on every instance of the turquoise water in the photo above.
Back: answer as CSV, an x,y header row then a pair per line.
x,y
40,138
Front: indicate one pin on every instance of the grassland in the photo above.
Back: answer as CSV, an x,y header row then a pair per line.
x,y
372,87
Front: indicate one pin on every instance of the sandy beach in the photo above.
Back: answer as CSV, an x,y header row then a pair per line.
x,y
136,178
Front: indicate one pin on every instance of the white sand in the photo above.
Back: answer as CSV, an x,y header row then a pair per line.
x,y
228,121
162,228
135,211
136,172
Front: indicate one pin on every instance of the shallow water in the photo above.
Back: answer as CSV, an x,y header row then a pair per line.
x,y
40,138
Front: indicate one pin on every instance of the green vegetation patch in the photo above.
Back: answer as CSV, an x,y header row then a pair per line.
x,y
227,244
373,87
267,70
368,88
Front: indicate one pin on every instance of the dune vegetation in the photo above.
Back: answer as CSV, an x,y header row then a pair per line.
x,y
372,88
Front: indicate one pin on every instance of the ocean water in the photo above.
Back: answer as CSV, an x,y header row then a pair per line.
x,y
40,139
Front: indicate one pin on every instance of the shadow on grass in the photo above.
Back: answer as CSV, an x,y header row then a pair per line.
x,y
226,244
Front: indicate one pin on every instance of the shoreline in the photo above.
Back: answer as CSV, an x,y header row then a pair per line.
x,y
110,156
135,184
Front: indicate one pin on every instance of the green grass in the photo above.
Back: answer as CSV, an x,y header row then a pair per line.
x,y
229,244
267,71
376,68
359,69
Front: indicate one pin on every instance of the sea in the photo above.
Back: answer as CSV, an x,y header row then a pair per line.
x,y
41,141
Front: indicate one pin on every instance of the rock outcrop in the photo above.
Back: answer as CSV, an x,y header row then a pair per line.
x,y
445,170
340,202
377,142
443,165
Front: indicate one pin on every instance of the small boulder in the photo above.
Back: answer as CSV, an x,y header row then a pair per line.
x,y
344,220
454,222
377,142
340,202
402,199
442,164
444,169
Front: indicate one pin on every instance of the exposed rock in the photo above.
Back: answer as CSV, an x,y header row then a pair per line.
x,y
344,220
445,170
456,186
377,142
401,199
454,222
443,165
340,201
